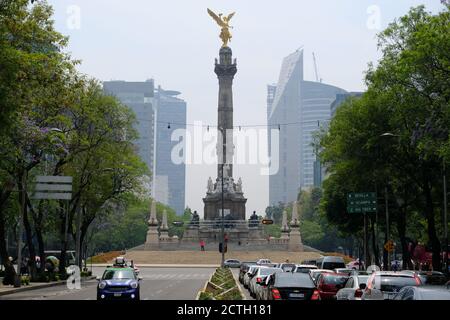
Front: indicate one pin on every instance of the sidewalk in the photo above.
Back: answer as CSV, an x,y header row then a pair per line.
x,y
4,290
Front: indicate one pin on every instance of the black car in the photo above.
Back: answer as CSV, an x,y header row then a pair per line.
x,y
291,286
432,277
245,265
422,293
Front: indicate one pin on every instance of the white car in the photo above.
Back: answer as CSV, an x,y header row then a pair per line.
x,y
263,261
305,268
248,274
353,289
258,285
255,279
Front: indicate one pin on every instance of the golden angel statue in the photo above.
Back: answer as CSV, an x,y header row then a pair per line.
x,y
223,22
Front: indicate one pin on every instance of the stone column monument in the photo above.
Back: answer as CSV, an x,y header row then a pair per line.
x,y
233,198
295,239
152,241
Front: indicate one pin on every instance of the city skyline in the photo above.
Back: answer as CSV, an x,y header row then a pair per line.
x,y
139,41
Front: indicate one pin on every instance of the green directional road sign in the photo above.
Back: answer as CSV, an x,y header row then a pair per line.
x,y
362,202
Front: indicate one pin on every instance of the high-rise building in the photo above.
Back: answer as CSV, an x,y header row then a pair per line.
x,y
158,112
139,97
170,176
298,108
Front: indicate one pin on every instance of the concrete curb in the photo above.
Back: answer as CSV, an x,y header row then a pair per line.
x,y
239,286
40,286
204,287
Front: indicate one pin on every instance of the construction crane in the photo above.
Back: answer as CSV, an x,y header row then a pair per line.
x,y
315,68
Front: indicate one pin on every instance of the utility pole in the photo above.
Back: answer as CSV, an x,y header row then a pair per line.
x,y
445,218
366,251
223,226
388,267
78,244
19,236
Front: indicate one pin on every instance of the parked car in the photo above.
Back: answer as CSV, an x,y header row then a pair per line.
x,y
353,288
422,293
344,270
432,277
232,263
304,268
244,268
263,261
384,285
329,284
259,278
330,262
291,286
316,272
249,275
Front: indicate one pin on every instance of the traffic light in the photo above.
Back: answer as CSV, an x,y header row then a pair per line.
x,y
267,221
221,247
178,223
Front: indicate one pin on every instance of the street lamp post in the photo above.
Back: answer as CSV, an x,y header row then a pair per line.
x,y
222,200
444,179
388,267
387,237
223,226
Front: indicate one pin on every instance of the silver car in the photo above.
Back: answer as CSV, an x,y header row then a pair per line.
x,y
353,288
232,263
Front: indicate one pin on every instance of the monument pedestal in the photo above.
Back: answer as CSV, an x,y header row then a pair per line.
x,y
295,240
152,241
191,234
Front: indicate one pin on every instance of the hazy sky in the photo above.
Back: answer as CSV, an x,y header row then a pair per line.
x,y
175,42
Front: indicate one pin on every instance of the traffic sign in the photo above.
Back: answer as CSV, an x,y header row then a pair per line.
x,y
389,246
53,187
362,202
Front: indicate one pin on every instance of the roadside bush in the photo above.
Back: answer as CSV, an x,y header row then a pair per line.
x,y
25,280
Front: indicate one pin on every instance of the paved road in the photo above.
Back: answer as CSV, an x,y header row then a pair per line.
x,y
157,284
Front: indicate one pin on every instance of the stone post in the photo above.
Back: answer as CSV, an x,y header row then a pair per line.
x,y
152,241
295,238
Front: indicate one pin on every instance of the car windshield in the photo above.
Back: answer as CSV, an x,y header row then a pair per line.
x,y
333,265
303,270
395,283
334,280
363,279
293,280
118,274
288,267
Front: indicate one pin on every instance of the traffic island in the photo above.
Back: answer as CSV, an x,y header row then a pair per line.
x,y
221,286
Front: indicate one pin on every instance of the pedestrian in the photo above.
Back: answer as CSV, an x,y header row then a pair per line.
x,y
202,245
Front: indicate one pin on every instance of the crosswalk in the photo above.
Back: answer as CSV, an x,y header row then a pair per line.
x,y
165,276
